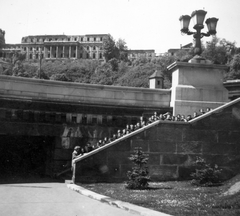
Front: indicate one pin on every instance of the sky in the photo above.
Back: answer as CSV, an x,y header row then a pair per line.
x,y
143,24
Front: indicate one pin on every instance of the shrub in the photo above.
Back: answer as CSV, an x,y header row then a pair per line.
x,y
138,177
205,175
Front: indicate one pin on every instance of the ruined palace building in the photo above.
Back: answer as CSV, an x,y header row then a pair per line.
x,y
88,46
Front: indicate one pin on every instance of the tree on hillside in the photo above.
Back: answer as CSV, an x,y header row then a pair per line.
x,y
109,48
219,51
185,55
234,68
104,75
137,76
122,49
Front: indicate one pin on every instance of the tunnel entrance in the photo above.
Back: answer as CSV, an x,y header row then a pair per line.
x,y
24,157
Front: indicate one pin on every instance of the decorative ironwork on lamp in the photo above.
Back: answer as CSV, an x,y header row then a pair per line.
x,y
198,17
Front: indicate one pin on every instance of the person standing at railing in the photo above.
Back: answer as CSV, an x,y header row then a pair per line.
x,y
76,153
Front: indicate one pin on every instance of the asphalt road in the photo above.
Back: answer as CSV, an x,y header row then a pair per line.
x,y
50,199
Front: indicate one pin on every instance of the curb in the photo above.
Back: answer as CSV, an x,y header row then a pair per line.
x,y
116,203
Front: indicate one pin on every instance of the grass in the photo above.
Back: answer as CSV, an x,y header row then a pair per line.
x,y
176,198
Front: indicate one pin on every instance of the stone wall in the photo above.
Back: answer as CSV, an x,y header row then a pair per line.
x,y
38,108
172,148
84,93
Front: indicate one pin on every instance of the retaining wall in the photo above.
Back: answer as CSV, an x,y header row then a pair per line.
x,y
173,148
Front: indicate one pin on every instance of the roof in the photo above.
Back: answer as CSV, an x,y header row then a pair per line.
x,y
156,74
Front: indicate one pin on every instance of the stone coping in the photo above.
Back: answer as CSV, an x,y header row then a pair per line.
x,y
81,85
216,110
195,65
82,157
116,203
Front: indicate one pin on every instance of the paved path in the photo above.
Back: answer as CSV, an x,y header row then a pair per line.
x,y
51,199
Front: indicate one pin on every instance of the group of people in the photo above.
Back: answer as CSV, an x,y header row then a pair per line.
x,y
130,128
168,116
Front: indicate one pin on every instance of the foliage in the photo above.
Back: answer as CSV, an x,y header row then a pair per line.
x,y
122,49
138,177
104,75
137,76
114,64
109,48
205,175
60,77
184,55
219,51
234,71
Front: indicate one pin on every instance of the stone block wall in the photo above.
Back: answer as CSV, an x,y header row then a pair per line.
x,y
173,148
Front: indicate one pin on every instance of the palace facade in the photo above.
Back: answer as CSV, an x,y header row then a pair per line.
x,y
52,47
58,47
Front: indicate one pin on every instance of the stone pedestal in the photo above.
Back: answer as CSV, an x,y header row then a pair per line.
x,y
196,86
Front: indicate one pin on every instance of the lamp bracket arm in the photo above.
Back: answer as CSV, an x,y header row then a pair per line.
x,y
204,34
190,33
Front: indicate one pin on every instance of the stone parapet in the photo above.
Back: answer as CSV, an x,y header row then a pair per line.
x,y
83,93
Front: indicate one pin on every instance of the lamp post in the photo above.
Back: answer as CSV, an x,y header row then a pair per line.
x,y
198,17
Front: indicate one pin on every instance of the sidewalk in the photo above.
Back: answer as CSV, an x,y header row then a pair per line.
x,y
119,204
50,199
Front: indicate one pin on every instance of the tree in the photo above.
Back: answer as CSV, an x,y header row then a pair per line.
x,y
219,51
205,174
138,177
122,48
234,71
109,48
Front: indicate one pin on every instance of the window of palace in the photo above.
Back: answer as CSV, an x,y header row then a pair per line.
x,y
88,39
94,56
94,48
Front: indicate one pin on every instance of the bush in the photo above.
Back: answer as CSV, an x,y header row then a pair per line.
x,y
138,177
205,175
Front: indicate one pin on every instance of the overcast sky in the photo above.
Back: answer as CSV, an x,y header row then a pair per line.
x,y
143,24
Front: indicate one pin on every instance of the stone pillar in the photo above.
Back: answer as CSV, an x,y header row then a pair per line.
x,y
56,51
76,52
196,86
70,51
50,51
63,51
27,53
